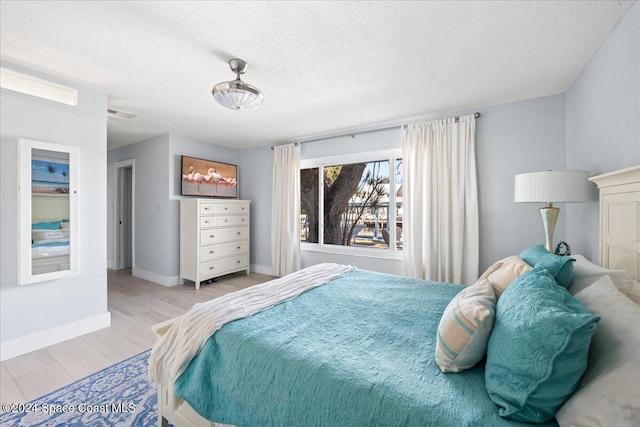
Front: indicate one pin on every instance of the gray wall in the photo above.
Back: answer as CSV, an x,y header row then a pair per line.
x,y
519,137
595,127
157,193
255,177
513,138
603,122
37,307
151,202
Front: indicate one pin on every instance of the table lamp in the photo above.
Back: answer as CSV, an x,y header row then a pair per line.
x,y
551,187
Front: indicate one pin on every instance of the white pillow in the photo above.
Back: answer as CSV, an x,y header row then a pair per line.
x,y
465,328
504,272
609,391
37,235
585,273
634,293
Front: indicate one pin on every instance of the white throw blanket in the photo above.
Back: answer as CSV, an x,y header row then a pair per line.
x,y
173,352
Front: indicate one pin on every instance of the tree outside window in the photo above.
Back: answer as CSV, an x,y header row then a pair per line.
x,y
355,204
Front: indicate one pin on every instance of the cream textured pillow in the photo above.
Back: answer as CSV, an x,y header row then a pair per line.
x,y
585,273
504,272
465,328
609,391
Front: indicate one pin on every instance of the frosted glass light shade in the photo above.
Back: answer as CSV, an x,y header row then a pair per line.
x,y
237,95
552,187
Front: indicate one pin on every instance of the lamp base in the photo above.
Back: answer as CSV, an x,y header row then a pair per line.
x,y
549,216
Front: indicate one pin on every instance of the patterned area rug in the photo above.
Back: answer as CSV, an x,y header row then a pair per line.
x,y
120,395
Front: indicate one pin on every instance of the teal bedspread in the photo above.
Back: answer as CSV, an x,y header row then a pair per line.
x,y
358,351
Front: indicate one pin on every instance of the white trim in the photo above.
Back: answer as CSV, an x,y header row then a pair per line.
x,y
37,87
262,269
111,264
155,277
344,159
25,158
352,251
116,234
37,340
391,156
621,177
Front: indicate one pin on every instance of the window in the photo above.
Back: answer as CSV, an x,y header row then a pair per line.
x,y
352,201
24,83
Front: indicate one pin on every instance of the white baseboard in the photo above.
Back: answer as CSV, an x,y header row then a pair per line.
x,y
156,278
37,340
111,264
262,269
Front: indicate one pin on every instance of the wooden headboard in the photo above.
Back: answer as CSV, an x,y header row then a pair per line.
x,y
620,219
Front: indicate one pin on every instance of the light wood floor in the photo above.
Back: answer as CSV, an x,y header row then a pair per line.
x,y
135,306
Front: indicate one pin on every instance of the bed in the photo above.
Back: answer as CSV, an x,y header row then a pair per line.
x,y
355,350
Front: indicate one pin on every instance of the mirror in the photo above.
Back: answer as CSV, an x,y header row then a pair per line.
x,y
47,211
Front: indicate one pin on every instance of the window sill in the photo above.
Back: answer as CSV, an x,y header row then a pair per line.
x,y
351,251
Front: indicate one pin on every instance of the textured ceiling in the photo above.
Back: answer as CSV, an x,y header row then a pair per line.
x,y
322,66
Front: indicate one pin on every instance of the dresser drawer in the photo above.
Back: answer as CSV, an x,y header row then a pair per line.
x,y
213,236
206,208
214,268
209,253
231,208
231,220
206,221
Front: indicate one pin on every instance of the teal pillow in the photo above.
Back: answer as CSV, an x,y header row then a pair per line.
x,y
560,267
538,348
53,225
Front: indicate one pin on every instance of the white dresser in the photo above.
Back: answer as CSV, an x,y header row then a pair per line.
x,y
214,238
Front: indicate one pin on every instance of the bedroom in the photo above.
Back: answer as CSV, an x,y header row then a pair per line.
x,y
564,129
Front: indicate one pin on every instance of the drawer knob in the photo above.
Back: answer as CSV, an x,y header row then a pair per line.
x,y
211,236
238,262
210,268
206,209
226,209
226,220
238,247
238,233
242,219
211,252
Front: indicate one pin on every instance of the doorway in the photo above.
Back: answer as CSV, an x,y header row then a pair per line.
x,y
125,215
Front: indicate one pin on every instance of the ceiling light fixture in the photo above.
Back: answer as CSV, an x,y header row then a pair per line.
x,y
236,94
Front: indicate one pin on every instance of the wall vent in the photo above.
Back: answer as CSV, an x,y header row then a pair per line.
x,y
120,114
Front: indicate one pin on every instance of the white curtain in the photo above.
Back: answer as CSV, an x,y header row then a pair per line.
x,y
440,201
285,211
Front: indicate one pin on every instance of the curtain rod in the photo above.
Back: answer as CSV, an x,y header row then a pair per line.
x,y
353,134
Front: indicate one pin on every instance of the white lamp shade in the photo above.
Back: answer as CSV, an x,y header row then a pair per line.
x,y
552,187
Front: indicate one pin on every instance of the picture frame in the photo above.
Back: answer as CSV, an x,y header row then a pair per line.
x,y
49,177
208,178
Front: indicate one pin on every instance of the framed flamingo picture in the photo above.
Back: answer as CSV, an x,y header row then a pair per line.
x,y
206,178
